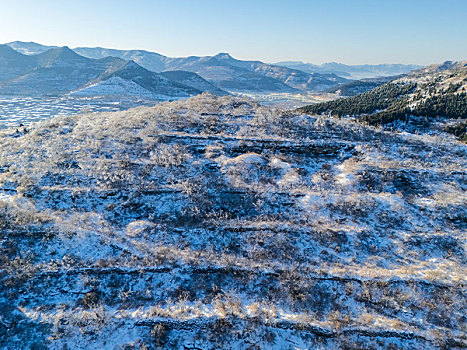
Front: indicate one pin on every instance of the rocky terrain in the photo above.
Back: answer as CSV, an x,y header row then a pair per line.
x,y
218,223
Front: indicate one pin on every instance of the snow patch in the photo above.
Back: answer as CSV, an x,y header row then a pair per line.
x,y
137,228
251,159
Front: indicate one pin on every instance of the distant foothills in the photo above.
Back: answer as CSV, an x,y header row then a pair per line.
x,y
32,69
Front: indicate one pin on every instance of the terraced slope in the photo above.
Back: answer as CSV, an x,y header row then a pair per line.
x,y
217,223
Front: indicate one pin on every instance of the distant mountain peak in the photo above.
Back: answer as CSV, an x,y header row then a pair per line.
x,y
63,51
223,56
61,55
132,64
29,47
23,42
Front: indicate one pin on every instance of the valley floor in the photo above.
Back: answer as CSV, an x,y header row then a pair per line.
x,y
16,110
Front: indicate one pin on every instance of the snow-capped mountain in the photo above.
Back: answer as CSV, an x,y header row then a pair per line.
x,y
292,77
229,77
149,60
61,70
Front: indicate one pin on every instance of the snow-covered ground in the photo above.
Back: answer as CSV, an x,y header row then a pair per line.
x,y
217,223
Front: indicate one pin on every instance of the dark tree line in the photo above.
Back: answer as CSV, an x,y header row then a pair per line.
x,y
449,105
459,130
390,102
380,98
446,105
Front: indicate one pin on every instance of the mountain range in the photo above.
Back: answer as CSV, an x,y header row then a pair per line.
x,y
61,70
156,62
33,69
223,72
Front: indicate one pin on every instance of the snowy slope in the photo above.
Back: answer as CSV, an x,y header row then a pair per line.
x,y
216,223
431,97
116,86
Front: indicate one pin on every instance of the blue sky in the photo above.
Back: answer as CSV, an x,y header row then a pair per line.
x,y
347,31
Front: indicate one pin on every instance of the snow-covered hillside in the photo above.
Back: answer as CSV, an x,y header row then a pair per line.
x,y
430,99
216,223
118,87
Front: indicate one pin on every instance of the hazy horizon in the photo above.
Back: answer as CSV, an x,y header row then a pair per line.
x,y
360,32
137,49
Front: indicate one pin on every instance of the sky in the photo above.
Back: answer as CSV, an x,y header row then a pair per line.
x,y
345,31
